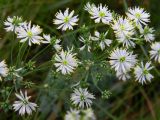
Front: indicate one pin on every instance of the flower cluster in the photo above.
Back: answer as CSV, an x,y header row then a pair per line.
x,y
128,32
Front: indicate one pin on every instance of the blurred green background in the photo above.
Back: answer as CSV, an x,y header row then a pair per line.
x,y
129,100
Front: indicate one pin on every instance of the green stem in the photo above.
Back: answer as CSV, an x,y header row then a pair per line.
x,y
40,52
21,53
125,5
12,46
48,75
9,93
145,53
47,65
106,111
86,78
98,88
95,84
27,54
78,30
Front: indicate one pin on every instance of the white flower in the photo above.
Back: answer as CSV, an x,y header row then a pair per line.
x,y
23,105
127,41
12,23
66,62
57,46
30,34
88,114
14,73
66,20
142,73
87,43
122,26
88,7
56,42
155,52
100,13
124,30
138,15
81,98
122,76
147,33
47,38
3,69
72,115
101,38
122,61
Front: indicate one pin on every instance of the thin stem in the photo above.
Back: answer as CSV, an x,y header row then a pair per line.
x,y
145,53
40,52
27,53
9,93
48,75
39,68
18,56
95,83
12,47
78,30
106,111
98,88
86,78
125,5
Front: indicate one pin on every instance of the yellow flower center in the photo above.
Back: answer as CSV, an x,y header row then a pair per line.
x,y
65,62
101,14
66,19
82,97
122,59
138,15
122,27
145,71
30,34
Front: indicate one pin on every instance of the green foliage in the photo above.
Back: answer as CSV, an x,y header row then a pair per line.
x,y
50,89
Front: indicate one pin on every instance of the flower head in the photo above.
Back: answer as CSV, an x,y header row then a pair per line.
x,y
14,73
122,61
122,76
122,26
155,52
100,13
55,41
87,42
3,69
23,105
124,30
82,98
142,73
138,15
88,114
47,38
66,62
72,115
147,33
12,23
66,20
30,34
101,38
127,41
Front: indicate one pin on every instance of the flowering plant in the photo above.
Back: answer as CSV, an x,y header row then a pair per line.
x,y
76,68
